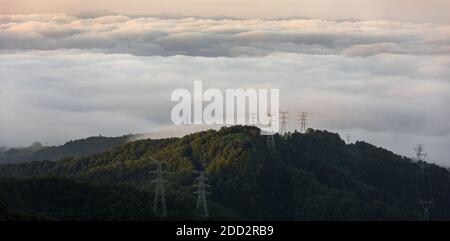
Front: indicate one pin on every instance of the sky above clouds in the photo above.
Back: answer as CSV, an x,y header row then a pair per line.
x,y
65,77
397,10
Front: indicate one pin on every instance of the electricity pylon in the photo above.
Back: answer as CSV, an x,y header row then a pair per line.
x,y
426,206
303,120
159,202
348,136
270,143
202,205
283,122
45,168
420,152
426,200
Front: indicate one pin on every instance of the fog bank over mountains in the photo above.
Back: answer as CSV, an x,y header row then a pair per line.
x,y
151,36
67,77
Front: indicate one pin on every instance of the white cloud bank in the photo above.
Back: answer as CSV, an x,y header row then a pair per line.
x,y
63,77
213,38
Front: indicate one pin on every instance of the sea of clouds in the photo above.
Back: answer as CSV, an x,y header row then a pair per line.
x,y
220,38
64,77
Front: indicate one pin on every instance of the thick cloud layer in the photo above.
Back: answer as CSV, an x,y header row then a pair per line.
x,y
213,38
64,77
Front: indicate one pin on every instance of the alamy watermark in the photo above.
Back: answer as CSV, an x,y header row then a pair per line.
x,y
259,107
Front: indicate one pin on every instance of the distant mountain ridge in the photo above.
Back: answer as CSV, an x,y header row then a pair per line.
x,y
75,148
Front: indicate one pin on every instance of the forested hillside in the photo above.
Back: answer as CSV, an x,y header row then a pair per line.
x,y
312,176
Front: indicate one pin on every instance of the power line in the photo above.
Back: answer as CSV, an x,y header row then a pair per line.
x,y
46,169
159,203
420,152
425,195
426,206
283,122
270,143
202,205
348,136
303,121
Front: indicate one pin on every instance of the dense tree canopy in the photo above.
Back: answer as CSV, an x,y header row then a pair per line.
x,y
312,176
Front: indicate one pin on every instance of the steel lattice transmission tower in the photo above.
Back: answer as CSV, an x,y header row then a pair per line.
x,y
426,200
159,202
202,205
283,122
348,136
420,152
426,206
45,168
270,143
303,121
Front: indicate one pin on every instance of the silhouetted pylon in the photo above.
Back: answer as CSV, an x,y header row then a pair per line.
x,y
202,205
283,122
270,143
303,121
426,196
159,202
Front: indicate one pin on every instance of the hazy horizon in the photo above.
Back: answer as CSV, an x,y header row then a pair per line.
x,y
399,10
